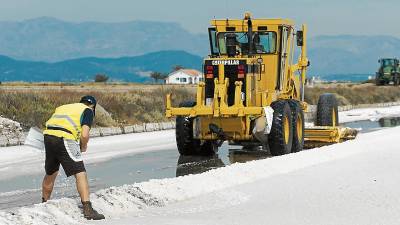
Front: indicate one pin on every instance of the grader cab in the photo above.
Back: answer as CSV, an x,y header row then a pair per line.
x,y
253,92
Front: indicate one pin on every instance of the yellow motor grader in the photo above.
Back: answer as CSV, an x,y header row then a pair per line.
x,y
253,92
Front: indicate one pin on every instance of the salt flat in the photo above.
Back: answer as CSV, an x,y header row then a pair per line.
x,y
355,182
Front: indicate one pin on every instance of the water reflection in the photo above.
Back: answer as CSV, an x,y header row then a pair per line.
x,y
245,155
198,164
389,122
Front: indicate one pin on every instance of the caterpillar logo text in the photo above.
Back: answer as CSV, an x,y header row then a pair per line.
x,y
225,62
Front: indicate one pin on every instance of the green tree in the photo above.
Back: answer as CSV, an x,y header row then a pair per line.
x,y
164,76
101,78
156,76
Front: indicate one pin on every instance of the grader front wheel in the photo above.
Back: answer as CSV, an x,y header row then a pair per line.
x,y
187,145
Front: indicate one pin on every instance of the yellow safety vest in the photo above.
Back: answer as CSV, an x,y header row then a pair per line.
x,y
66,121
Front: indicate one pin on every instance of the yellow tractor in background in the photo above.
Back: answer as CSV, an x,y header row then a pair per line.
x,y
253,92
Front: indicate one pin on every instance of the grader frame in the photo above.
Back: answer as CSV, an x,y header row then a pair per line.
x,y
242,79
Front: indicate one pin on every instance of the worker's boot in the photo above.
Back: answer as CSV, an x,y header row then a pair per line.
x,y
89,213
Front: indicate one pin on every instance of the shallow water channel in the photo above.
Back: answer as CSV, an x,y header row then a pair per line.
x,y
26,190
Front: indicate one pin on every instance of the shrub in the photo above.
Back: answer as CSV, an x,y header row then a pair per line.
x,y
354,94
34,107
101,78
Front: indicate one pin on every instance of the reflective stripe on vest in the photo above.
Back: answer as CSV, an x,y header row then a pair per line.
x,y
66,118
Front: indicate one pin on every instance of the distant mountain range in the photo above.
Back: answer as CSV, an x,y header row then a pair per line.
x,y
133,69
50,39
48,48
348,54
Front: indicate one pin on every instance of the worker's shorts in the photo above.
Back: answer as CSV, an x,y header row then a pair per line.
x,y
65,152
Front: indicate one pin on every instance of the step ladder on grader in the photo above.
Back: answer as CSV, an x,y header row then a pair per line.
x,y
253,92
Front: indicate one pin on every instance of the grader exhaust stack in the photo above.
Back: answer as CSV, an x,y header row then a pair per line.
x,y
253,92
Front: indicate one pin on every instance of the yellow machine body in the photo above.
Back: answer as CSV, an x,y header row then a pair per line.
x,y
237,98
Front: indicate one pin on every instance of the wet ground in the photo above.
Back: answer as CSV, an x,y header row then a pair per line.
x,y
369,126
25,190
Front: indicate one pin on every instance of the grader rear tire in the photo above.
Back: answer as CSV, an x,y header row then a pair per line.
x,y
327,110
281,135
298,126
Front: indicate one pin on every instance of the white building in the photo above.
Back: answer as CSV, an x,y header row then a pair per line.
x,y
185,76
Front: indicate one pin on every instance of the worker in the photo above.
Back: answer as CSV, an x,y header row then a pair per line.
x,y
258,47
65,137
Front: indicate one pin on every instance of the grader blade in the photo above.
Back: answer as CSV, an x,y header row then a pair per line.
x,y
320,136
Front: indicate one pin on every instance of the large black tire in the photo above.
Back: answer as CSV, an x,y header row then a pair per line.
x,y
396,79
281,135
298,126
378,81
327,110
186,144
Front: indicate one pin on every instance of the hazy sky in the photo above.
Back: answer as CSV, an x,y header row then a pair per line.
x,y
377,17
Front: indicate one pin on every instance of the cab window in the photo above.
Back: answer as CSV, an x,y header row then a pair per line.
x,y
263,42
